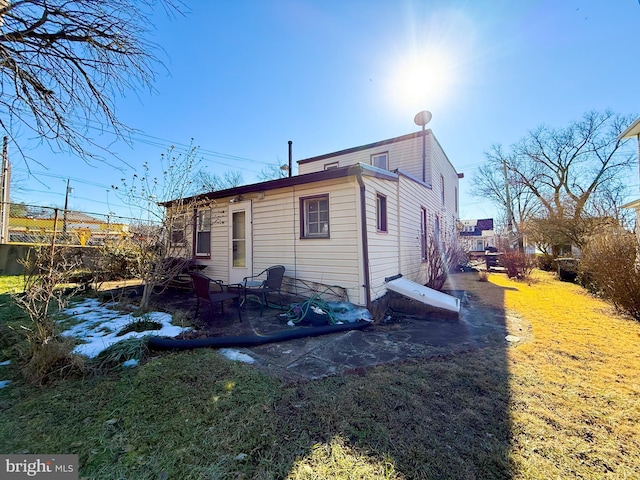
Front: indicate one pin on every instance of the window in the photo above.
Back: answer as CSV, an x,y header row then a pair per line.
x,y
331,166
456,198
177,231
380,160
203,233
315,217
423,232
381,212
442,188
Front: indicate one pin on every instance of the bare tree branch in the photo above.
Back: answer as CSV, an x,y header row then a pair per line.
x,y
63,63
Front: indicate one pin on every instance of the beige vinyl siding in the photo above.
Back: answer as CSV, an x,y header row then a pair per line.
x,y
405,155
276,237
383,246
273,230
413,197
334,260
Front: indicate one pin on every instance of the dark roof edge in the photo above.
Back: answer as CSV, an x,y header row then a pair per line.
x,y
366,147
304,179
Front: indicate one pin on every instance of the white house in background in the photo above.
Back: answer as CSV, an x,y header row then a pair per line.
x,y
633,132
350,218
477,235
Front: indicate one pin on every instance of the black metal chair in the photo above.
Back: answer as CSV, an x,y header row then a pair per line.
x,y
210,291
271,283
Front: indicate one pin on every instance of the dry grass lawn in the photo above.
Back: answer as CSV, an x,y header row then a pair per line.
x,y
561,403
575,386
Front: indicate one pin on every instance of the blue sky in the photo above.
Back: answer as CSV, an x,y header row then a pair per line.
x,y
244,77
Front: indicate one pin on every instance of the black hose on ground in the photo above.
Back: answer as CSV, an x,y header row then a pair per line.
x,y
166,343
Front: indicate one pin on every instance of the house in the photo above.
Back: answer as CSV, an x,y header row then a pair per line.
x,y
350,218
633,132
477,235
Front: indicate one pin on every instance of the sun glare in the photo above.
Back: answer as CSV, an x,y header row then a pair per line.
x,y
424,80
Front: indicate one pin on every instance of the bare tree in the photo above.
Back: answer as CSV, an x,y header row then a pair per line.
x,y
564,174
62,63
273,171
495,181
211,182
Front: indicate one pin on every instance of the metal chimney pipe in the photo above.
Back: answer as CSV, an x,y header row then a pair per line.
x,y
290,157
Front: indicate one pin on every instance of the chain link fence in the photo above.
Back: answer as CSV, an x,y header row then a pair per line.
x,y
37,225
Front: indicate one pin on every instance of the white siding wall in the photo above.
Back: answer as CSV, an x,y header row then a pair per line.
x,y
405,155
276,237
384,249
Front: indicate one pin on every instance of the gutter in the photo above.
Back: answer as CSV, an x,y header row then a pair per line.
x,y
365,241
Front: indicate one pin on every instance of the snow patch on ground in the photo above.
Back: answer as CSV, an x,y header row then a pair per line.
x,y
236,356
98,326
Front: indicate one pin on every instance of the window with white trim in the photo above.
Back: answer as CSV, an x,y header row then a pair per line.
x,y
203,233
331,166
314,217
380,160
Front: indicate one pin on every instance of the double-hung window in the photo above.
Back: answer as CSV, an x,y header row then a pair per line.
x,y
380,160
314,216
177,230
203,233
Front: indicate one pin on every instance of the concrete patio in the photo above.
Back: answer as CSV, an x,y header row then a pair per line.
x,y
396,338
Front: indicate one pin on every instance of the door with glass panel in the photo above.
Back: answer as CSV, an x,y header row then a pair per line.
x,y
240,254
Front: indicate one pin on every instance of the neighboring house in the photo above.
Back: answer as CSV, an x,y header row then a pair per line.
x,y
477,235
350,218
633,132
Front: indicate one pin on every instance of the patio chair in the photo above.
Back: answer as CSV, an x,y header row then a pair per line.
x,y
210,291
266,282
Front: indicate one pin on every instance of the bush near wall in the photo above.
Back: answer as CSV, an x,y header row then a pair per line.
x,y
609,269
518,264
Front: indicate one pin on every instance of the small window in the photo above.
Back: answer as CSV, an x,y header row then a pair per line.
x,y
381,212
380,160
331,166
442,188
423,232
456,199
203,233
315,217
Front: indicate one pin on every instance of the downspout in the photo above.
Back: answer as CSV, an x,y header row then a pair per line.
x,y
365,242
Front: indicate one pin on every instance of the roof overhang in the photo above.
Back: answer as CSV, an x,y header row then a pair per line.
x,y
332,174
635,204
632,131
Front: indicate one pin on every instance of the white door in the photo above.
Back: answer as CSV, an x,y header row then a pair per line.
x,y
240,251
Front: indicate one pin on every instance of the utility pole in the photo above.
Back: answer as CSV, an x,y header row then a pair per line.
x,y
4,193
66,204
508,202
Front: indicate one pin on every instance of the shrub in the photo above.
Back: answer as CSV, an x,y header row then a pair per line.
x,y
546,262
442,258
519,265
609,269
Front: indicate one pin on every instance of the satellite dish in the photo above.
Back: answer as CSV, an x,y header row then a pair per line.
x,y
422,118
